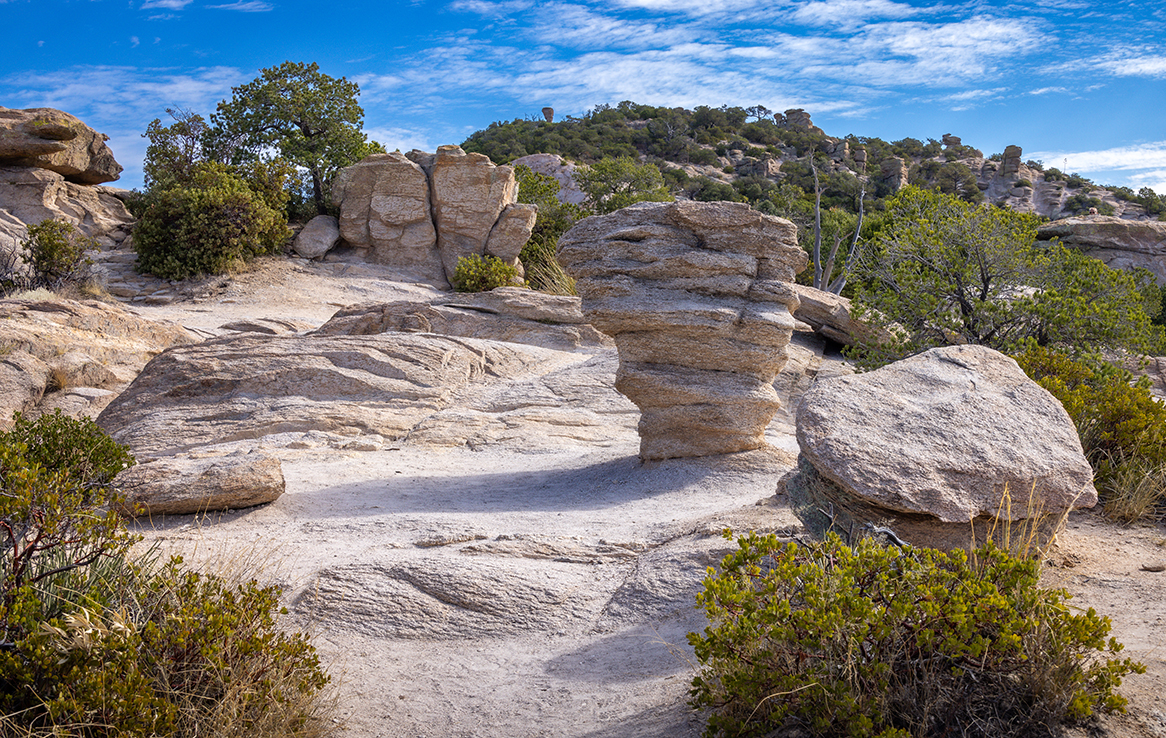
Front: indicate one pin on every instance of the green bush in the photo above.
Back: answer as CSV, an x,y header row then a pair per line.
x,y
207,225
483,273
543,271
53,253
878,641
1121,425
93,643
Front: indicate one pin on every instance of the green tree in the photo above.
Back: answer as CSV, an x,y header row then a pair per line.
x,y
611,184
946,272
312,119
543,271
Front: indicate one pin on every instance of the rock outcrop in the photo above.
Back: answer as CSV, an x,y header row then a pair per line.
x,y
422,212
80,353
29,196
512,314
553,165
361,387
44,138
829,315
698,299
1120,243
930,445
893,171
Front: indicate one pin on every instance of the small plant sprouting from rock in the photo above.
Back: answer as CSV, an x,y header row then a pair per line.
x,y
881,641
51,256
483,273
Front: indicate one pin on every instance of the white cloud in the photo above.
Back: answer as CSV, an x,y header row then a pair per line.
x,y
1048,90
698,7
851,14
1137,65
134,42
245,6
1140,156
404,139
1155,180
167,4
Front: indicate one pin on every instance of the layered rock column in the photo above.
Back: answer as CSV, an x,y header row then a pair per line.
x,y
699,300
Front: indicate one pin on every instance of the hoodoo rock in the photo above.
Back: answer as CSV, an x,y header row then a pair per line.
x,y
469,194
45,138
935,443
699,300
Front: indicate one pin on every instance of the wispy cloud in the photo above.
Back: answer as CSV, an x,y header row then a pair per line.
x,y
245,6
1133,64
851,14
166,4
404,139
1121,158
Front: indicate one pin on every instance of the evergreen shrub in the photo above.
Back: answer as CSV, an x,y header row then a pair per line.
x,y
869,640
483,273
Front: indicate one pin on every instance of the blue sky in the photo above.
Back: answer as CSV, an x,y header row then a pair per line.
x,y
1077,84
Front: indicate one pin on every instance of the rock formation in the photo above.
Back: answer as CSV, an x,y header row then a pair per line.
x,y
549,114
422,212
318,237
555,166
79,353
930,444
829,315
698,299
1012,161
952,141
44,138
1120,243
894,172
512,314
183,485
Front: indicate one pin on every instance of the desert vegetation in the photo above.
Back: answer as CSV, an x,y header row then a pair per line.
x,y
100,639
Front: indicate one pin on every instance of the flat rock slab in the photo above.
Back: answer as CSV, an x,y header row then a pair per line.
x,y
943,434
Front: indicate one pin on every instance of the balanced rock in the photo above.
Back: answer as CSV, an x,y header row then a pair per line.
x,y
828,314
45,138
182,485
318,237
935,443
698,298
1010,165
1120,243
385,211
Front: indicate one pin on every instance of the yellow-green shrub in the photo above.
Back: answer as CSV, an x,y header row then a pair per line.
x,y
878,641
483,273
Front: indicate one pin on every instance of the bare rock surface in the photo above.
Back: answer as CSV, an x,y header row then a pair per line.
x,y
61,345
182,485
1120,243
829,315
511,314
29,196
698,299
51,139
236,388
937,439
554,165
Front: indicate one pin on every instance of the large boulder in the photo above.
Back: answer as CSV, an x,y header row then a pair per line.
x,y
249,387
45,138
513,314
64,345
698,299
183,485
829,315
553,165
1120,243
936,443
29,196
318,237
385,211
469,194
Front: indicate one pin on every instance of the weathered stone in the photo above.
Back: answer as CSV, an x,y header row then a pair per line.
x,y
1012,162
29,196
829,315
1120,243
181,485
45,138
511,232
798,118
268,326
73,344
553,165
245,387
469,193
697,297
894,172
752,167
318,237
938,441
549,114
385,208
511,314
950,140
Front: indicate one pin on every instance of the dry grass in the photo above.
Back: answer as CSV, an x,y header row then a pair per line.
x,y
1134,490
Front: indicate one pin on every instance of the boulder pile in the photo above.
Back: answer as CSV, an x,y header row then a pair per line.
x,y
1119,242
699,300
421,212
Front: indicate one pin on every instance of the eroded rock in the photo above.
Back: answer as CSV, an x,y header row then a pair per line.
x,y
318,237
182,485
698,299
931,443
1120,243
469,194
45,138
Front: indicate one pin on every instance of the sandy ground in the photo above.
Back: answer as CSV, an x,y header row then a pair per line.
x,y
555,585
